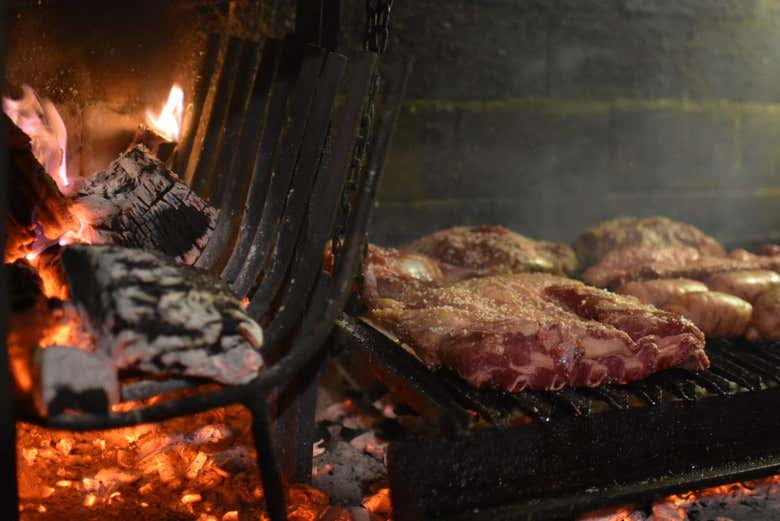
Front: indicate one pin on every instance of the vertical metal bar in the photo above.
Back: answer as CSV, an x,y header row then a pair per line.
x,y
273,490
295,426
237,115
9,498
201,90
206,155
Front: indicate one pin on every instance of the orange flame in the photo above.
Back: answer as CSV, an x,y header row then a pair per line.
x,y
39,119
168,122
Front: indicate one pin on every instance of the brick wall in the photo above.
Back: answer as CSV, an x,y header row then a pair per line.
x,y
551,115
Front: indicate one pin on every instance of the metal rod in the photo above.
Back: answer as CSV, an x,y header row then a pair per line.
x,y
289,66
298,197
206,155
298,111
192,124
241,165
266,458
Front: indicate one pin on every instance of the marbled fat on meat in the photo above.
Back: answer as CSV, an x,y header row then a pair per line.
x,y
539,331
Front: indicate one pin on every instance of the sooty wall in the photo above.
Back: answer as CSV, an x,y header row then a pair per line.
x,y
551,115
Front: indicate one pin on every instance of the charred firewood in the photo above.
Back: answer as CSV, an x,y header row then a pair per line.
x,y
139,203
71,378
157,144
37,201
153,315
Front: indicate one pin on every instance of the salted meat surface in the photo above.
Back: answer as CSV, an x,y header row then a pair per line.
x,y
539,331
477,251
630,232
641,263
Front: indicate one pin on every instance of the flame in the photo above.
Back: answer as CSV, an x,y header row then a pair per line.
x,y
39,119
168,122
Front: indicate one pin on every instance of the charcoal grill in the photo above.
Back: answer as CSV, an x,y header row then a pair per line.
x,y
291,152
553,455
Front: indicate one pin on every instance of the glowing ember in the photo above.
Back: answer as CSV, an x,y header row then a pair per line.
x,y
736,497
168,122
39,119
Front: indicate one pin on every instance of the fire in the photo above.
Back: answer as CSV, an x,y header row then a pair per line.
x,y
39,119
168,122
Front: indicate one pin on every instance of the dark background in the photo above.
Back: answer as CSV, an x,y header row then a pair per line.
x,y
543,115
551,115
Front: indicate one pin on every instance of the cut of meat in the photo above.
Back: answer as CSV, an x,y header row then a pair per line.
x,y
716,314
492,250
765,324
641,263
627,264
747,285
539,331
390,275
657,292
627,232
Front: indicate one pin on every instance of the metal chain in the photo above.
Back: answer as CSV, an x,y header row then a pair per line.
x,y
377,25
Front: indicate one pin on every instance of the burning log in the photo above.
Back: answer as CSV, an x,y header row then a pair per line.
x,y
156,316
71,378
37,204
139,203
158,145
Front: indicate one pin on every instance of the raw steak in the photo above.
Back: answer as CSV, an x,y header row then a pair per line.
x,y
657,232
538,331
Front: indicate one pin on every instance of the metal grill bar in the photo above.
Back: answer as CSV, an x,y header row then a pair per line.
x,y
289,65
206,150
192,123
299,108
241,164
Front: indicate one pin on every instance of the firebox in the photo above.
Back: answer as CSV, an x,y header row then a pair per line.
x,y
257,266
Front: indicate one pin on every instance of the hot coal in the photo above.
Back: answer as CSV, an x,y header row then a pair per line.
x,y
151,314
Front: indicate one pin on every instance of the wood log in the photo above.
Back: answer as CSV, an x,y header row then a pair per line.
x,y
139,203
150,314
72,378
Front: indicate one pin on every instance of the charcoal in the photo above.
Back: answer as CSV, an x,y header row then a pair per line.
x,y
151,314
157,145
139,203
25,286
72,378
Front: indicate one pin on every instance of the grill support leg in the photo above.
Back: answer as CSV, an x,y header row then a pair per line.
x,y
267,461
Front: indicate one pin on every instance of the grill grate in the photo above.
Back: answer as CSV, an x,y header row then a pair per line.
x,y
737,366
554,455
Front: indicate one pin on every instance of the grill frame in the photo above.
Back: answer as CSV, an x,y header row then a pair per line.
x,y
691,430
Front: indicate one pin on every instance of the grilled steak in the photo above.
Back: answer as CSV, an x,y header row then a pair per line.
x,y
640,263
627,232
538,331
492,250
657,292
390,275
716,314
747,285
765,324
